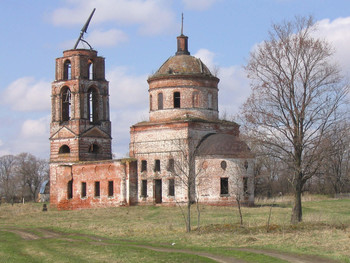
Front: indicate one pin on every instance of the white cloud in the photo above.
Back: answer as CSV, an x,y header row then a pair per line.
x,y
207,57
106,38
337,32
199,5
126,90
27,94
36,128
152,16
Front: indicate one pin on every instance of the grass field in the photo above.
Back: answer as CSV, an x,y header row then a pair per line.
x,y
157,234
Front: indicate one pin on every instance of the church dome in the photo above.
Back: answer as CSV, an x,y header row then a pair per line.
x,y
183,65
224,145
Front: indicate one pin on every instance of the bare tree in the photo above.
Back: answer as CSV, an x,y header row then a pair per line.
x,y
32,172
8,177
186,172
295,92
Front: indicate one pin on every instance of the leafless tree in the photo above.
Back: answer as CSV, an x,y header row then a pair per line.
x,y
32,171
186,172
8,177
295,91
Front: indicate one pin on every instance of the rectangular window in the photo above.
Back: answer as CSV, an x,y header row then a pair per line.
x,y
83,189
171,187
177,100
70,189
210,101
110,189
223,186
171,165
144,188
160,101
97,189
143,166
245,185
157,166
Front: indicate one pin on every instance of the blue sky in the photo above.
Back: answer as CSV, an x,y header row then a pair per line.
x,y
136,37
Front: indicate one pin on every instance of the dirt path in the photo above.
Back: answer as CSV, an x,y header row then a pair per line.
x,y
45,233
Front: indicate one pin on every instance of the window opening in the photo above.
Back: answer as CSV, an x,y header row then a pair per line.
x,y
83,189
144,188
176,99
91,71
171,187
171,165
160,101
143,166
97,189
64,149
223,165
157,166
210,101
245,185
67,70
110,189
93,148
93,105
70,189
223,186
66,104
150,103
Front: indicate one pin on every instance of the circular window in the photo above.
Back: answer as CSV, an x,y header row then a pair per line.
x,y
223,165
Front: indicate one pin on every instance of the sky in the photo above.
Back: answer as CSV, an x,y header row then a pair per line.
x,y
136,37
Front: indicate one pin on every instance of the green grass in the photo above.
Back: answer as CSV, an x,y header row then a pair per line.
x,y
325,232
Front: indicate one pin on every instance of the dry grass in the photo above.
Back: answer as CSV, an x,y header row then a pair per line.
x,y
325,230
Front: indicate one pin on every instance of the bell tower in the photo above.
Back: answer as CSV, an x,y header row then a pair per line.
x,y
80,127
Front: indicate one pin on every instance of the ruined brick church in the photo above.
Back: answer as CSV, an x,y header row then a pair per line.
x,y
183,151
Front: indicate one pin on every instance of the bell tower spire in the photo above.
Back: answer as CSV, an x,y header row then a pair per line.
x,y
182,41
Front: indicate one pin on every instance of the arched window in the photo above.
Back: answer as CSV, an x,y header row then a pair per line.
x,y
177,100
94,148
210,101
93,105
64,149
67,73
160,101
91,70
195,99
66,104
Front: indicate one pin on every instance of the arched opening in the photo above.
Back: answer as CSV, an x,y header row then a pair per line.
x,y
93,105
67,72
66,104
177,100
64,149
70,189
94,148
160,101
91,70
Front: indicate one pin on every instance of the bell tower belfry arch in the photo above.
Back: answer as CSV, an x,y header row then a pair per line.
x,y
80,127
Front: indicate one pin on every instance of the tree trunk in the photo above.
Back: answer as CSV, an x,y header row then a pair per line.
x,y
188,225
297,213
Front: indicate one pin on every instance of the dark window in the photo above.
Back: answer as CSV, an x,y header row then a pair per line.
x,y
66,104
143,166
70,189
177,100
245,185
223,186
144,188
172,187
223,165
67,73
246,164
97,189
171,165
157,166
93,148
110,188
64,149
160,101
83,189
93,105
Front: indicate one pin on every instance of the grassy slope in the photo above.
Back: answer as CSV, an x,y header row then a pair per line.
x,y
325,231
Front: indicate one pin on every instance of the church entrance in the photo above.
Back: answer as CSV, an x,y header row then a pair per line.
x,y
158,191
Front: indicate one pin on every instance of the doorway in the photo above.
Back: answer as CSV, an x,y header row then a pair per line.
x,y
158,191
